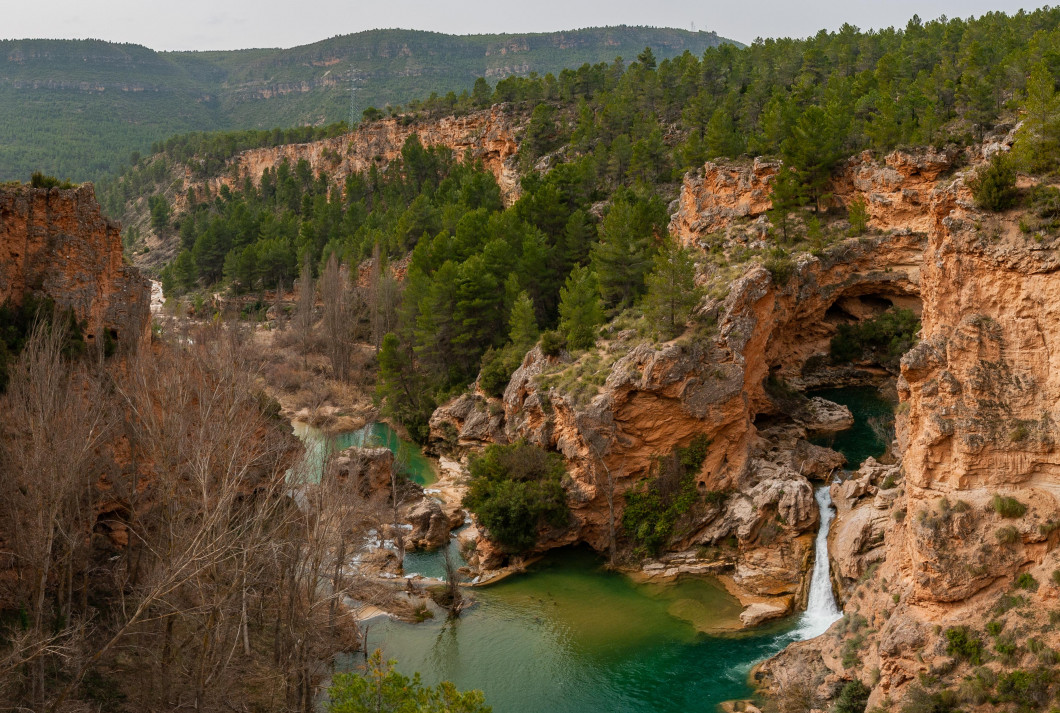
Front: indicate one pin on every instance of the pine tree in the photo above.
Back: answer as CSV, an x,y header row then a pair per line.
x,y
522,324
401,388
720,136
672,292
787,195
580,311
622,257
1038,143
812,150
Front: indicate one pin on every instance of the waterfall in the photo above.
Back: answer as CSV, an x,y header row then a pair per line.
x,y
821,609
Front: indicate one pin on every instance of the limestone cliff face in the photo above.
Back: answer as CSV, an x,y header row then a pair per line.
x,y
897,191
57,243
717,194
488,135
980,394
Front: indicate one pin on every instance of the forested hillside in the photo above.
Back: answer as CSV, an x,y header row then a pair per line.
x,y
78,108
601,153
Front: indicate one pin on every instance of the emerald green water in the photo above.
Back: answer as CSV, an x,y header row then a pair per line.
x,y
860,441
570,637
416,465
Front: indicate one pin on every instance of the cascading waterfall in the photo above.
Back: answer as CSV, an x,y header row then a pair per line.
x,y
821,609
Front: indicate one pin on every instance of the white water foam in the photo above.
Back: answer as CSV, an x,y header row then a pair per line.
x,y
821,609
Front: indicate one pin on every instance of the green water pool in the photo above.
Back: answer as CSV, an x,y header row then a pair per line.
x,y
571,637
860,441
417,467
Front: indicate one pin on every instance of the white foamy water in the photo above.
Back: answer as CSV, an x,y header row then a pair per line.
x,y
821,608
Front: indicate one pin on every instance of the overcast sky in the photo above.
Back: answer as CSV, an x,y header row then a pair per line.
x,y
231,24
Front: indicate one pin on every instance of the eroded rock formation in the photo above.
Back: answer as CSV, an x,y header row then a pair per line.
x,y
55,242
976,501
488,135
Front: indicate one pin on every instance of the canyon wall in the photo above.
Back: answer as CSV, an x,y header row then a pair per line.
x,y
488,136
653,398
896,191
965,530
56,242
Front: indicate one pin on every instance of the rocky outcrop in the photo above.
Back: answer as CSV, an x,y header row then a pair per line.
x,y
368,470
55,242
719,193
658,397
897,192
487,136
969,532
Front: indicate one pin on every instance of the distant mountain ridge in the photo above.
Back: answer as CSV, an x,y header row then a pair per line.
x,y
77,108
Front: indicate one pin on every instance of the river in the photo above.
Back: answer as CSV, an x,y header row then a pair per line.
x,y
571,637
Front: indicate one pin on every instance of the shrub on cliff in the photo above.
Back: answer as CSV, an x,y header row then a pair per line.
x,y
994,187
1008,507
514,490
852,698
39,180
655,503
963,644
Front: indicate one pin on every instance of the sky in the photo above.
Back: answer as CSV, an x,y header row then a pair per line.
x,y
235,24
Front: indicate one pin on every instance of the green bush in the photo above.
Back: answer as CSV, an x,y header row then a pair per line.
x,y
853,698
1028,688
654,505
994,188
1027,581
858,214
552,343
514,490
1007,535
39,180
497,368
381,688
781,267
963,644
884,338
1008,507
918,700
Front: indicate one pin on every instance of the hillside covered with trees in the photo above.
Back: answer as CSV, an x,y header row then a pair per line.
x,y
79,108
586,241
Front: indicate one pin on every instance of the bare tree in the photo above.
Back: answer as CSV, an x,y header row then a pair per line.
x,y
382,300
343,310
278,306
53,422
303,318
452,582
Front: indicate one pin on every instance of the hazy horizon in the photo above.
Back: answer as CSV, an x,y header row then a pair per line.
x,y
203,25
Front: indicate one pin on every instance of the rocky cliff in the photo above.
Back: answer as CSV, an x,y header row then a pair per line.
x,y
724,382
948,564
488,136
57,243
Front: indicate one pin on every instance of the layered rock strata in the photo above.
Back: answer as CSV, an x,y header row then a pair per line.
x,y
56,243
966,530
